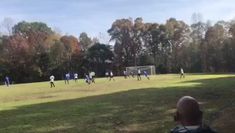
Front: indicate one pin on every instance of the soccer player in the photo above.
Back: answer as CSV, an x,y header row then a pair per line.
x,y
182,73
75,77
125,74
107,75
7,81
52,78
91,76
146,75
87,78
111,76
132,74
138,74
67,78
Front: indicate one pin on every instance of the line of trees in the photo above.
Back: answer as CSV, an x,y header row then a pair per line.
x,y
200,47
31,51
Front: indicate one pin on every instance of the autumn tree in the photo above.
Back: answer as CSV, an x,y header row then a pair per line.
x,y
16,56
71,46
33,50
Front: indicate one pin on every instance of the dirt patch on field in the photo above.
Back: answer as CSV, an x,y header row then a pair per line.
x,y
43,97
133,128
225,122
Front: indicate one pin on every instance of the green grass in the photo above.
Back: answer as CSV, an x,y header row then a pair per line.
x,y
120,106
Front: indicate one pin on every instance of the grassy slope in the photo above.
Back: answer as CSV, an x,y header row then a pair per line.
x,y
120,106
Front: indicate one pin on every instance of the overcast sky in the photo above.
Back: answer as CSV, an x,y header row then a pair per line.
x,y
96,16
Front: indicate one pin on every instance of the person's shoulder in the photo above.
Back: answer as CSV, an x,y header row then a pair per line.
x,y
178,130
201,129
205,129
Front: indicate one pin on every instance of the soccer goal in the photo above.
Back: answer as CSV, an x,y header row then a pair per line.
x,y
149,69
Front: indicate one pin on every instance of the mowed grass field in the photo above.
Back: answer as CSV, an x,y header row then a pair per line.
x,y
123,105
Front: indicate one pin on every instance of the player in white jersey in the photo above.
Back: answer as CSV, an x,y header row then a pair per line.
x,y
111,76
52,79
107,75
132,74
138,74
75,77
92,77
182,73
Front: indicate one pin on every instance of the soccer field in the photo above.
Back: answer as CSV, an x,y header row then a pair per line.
x,y
123,105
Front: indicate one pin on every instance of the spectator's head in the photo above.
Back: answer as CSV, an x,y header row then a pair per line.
x,y
188,111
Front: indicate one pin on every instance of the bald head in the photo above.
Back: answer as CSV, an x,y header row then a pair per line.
x,y
189,110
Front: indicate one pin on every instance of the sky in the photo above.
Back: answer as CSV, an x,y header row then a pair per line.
x,y
95,17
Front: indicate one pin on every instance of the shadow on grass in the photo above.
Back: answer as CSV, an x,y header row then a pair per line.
x,y
144,110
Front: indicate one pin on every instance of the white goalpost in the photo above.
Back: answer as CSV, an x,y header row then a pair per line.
x,y
149,69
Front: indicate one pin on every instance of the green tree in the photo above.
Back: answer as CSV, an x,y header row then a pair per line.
x,y
195,50
58,58
100,56
178,35
156,41
127,36
214,41
121,34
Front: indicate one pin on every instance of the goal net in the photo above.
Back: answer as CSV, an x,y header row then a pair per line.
x,y
134,69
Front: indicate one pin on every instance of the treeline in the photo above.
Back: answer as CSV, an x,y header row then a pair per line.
x,y
32,51
200,47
